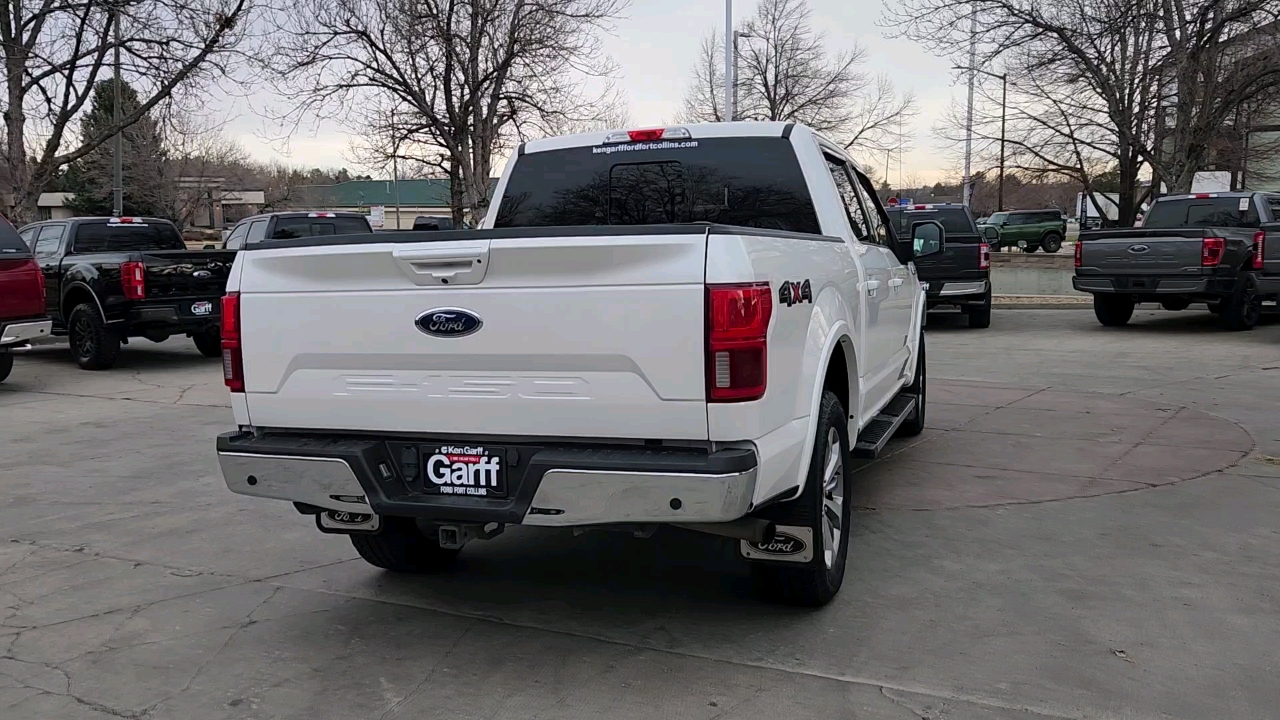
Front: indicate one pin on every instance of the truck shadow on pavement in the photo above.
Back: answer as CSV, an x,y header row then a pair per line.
x,y
177,353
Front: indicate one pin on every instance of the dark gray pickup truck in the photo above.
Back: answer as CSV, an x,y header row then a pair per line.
x,y
1217,248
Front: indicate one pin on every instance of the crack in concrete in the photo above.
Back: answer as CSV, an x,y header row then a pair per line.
x,y
103,708
465,631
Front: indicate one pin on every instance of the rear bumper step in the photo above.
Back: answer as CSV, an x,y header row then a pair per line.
x,y
877,433
550,485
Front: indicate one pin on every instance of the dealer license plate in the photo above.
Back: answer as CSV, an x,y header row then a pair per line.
x,y
203,307
472,470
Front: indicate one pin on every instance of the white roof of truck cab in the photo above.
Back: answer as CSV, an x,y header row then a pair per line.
x,y
696,131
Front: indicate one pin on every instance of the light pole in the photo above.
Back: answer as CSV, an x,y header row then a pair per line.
x,y
730,82
117,175
737,34
968,120
1004,107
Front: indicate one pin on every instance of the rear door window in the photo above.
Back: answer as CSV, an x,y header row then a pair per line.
x,y
1235,212
235,240
749,181
853,210
49,241
94,237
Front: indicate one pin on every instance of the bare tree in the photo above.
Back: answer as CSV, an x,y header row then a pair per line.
x,y
1101,86
56,51
786,73
461,79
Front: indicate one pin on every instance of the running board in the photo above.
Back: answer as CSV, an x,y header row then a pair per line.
x,y
876,434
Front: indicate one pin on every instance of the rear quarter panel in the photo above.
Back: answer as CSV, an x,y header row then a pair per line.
x,y
802,336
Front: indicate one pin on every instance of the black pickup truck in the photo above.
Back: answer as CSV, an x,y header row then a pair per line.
x,y
961,274
111,279
1217,248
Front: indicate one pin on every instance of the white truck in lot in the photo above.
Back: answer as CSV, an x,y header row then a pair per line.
x,y
679,326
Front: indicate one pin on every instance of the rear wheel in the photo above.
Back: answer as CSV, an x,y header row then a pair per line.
x,y
1113,310
401,547
209,343
980,315
1242,310
1051,243
92,345
823,512
6,365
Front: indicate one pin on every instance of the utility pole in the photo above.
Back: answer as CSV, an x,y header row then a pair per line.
x,y
968,118
117,182
395,167
729,80
1004,110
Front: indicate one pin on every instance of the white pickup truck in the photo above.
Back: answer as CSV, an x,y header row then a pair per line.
x,y
680,326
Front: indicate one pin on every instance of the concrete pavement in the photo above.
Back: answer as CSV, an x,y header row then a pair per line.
x,y
1085,530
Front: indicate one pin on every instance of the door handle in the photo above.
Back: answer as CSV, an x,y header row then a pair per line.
x,y
872,286
895,283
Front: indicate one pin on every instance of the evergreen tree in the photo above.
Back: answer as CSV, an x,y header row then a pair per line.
x,y
147,187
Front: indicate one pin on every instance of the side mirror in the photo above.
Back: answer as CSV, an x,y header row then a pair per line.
x,y
991,232
927,238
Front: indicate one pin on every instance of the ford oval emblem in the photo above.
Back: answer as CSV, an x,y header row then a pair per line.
x,y
1138,248
782,544
202,274
449,322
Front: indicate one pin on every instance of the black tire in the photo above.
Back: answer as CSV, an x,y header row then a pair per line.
x,y
209,343
6,365
1113,310
92,345
980,315
914,425
1051,243
815,583
1175,304
1243,309
401,547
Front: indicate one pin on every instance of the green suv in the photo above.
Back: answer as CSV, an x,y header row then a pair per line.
x,y
1029,229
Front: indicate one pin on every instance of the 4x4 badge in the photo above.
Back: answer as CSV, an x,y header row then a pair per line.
x,y
790,293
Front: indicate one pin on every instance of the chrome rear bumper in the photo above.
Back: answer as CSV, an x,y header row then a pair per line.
x,y
18,332
324,482
596,497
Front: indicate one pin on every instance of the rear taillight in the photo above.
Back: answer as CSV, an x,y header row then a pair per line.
x,y
1079,252
984,257
737,331
1259,245
1211,252
232,359
133,276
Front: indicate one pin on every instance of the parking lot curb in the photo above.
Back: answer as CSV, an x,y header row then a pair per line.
x,y
1041,302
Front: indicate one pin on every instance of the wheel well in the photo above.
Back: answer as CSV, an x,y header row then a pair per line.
x,y
837,379
74,297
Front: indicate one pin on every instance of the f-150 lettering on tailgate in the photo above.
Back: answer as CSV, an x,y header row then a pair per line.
x,y
470,386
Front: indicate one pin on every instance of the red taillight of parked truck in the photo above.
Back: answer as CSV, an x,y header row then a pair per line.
x,y
1259,246
737,341
133,277
984,257
1211,252
232,358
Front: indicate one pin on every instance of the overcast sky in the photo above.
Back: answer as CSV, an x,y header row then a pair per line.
x,y
656,44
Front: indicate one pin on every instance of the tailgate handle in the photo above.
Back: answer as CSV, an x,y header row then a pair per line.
x,y
441,263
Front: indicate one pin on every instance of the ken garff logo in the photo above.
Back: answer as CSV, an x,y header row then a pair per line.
x,y
449,322
1138,248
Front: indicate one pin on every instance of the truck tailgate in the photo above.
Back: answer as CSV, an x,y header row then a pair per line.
x,y
1141,252
187,273
957,260
581,336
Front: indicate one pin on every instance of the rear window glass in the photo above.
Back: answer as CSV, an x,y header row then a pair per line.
x,y
288,228
752,182
11,243
1201,212
121,237
954,220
